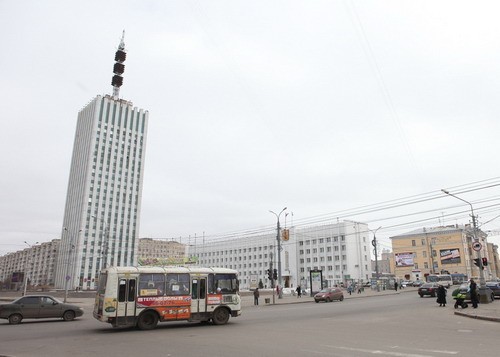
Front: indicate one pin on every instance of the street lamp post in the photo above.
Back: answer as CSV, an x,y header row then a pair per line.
x,y
26,268
68,277
279,249
105,241
483,296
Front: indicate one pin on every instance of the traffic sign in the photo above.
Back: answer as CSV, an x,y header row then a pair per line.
x,y
476,246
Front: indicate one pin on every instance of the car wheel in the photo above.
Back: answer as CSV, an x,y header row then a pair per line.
x,y
68,315
341,298
316,301
147,321
421,295
328,300
15,319
433,295
221,316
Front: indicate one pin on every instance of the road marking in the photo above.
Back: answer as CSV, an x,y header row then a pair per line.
x,y
438,351
378,352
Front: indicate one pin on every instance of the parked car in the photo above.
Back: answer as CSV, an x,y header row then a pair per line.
x,y
288,291
428,289
417,283
406,283
38,307
329,294
495,287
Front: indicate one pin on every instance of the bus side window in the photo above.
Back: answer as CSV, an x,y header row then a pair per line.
x,y
131,290
203,289
122,289
210,283
194,289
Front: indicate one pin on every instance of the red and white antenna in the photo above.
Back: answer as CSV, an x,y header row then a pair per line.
x,y
119,67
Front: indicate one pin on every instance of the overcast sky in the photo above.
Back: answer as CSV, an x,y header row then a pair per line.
x,y
319,106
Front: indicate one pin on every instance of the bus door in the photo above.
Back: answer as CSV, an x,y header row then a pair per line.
x,y
126,300
198,295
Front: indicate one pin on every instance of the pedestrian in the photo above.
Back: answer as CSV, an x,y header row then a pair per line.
x,y
349,289
473,293
299,291
396,286
256,295
441,295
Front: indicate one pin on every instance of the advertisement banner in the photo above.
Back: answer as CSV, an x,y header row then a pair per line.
x,y
316,277
450,256
404,259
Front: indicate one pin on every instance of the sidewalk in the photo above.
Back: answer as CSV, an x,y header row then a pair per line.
x,y
489,312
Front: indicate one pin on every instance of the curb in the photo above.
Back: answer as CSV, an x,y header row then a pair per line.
x,y
478,317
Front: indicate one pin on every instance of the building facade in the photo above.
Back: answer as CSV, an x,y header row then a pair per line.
x,y
341,251
438,250
102,212
35,265
161,252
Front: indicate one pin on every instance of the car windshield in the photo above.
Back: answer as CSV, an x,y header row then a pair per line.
x,y
324,290
428,285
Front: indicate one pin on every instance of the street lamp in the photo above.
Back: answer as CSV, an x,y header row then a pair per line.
x,y
105,241
26,268
67,278
279,249
374,243
483,296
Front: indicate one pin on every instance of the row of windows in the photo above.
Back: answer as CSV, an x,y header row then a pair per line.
x,y
323,240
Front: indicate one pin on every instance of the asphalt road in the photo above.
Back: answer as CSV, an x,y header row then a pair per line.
x,y
401,325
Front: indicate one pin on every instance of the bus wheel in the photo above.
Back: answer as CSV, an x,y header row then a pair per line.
x,y
147,320
221,316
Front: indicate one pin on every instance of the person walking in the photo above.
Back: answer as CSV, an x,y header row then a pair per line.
x,y
256,295
473,293
441,295
299,291
396,286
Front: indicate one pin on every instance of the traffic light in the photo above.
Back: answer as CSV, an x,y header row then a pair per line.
x,y
269,274
275,274
477,262
485,262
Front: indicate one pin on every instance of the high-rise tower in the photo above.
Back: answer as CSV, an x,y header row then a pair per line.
x,y
103,202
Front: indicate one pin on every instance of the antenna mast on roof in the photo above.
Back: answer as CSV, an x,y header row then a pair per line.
x,y
119,67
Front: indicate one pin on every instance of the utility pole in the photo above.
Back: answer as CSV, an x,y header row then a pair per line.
x,y
483,295
279,250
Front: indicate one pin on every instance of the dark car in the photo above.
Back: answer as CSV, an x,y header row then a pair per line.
x,y
329,294
495,287
38,307
465,287
428,289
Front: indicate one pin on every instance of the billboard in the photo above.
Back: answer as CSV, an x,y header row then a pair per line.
x,y
316,277
450,256
404,259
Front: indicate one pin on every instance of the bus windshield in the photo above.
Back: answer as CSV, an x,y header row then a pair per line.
x,y
226,283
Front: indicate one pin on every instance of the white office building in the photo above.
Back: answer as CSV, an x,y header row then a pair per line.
x,y
341,251
103,203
